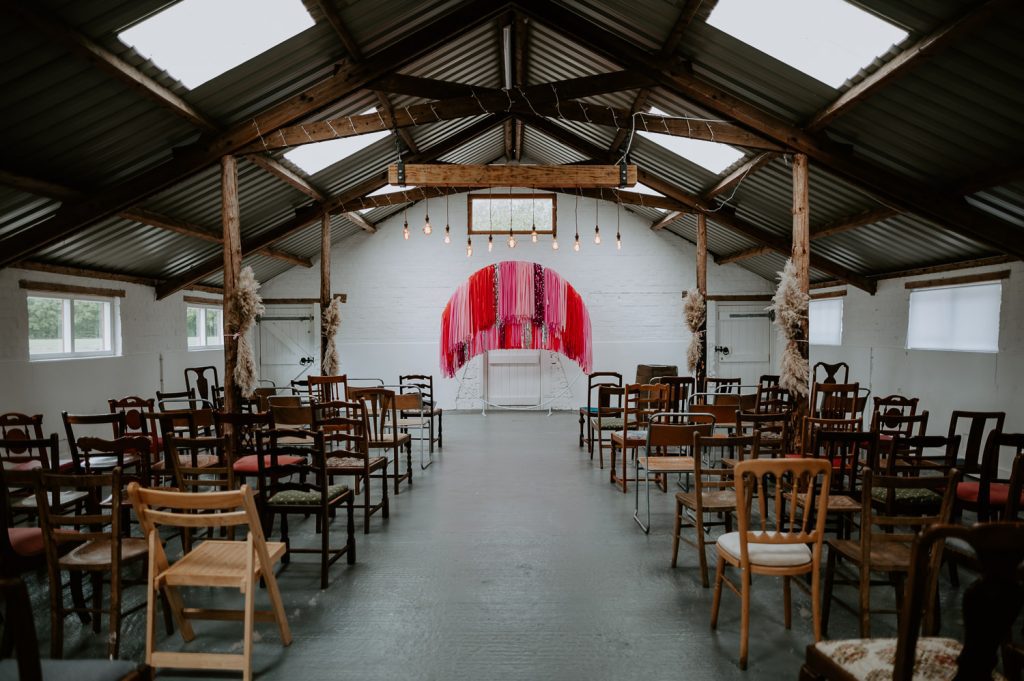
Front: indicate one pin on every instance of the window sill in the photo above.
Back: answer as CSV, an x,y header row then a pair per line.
x,y
64,358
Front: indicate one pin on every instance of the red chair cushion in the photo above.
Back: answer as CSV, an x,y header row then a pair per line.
x,y
26,541
250,464
998,493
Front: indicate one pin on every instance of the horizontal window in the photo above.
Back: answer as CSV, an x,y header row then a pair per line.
x,y
204,327
60,326
497,214
955,318
825,321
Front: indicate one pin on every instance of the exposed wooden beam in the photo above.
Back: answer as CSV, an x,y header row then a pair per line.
x,y
639,102
84,47
57,287
335,204
701,368
975,278
298,260
346,80
203,288
520,129
848,222
170,224
286,175
994,176
424,88
743,255
325,286
801,259
509,137
892,189
946,267
88,273
743,171
39,186
666,220
340,297
464,175
905,61
232,263
360,222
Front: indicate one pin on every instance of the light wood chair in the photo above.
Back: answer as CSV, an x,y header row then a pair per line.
x,y
213,563
327,388
776,547
639,403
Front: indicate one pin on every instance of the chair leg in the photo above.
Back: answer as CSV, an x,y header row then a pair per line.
x,y
702,553
826,606
397,458
57,612
676,528
816,603
716,600
744,617
96,578
77,595
385,502
114,638
787,605
249,615
865,600
581,429
440,430
325,545
350,553
366,507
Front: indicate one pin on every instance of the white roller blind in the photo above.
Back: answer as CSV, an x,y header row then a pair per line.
x,y
955,318
825,321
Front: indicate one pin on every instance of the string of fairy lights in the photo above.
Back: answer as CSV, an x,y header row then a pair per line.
x,y
512,241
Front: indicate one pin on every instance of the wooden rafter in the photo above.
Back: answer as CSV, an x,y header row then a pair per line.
x,y
86,48
88,273
360,222
467,175
892,189
286,175
335,204
742,172
905,61
347,79
743,255
666,220
39,186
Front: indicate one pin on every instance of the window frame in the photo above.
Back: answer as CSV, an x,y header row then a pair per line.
x,y
110,312
842,319
201,327
989,281
553,197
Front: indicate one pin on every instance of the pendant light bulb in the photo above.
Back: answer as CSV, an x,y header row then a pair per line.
x,y
469,247
576,244
511,241
597,235
447,234
405,231
490,243
554,244
533,234
427,229
618,241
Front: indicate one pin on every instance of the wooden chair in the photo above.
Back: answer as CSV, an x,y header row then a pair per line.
x,y
608,419
988,495
990,608
845,450
886,408
773,399
165,398
15,427
783,549
205,384
668,450
310,494
773,431
425,385
241,449
723,406
835,400
978,426
812,424
94,425
21,548
713,492
346,436
102,550
22,455
382,417
327,388
639,404
595,380
718,384
412,415
213,563
139,418
765,381
680,388
886,535
822,372
20,627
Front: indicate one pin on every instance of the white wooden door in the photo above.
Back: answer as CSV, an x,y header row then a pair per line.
x,y
287,346
744,342
513,378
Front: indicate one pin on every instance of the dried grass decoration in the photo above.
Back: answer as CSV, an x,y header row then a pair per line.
x,y
331,320
695,310
790,307
248,305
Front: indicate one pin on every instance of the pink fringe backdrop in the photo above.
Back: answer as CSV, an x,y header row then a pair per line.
x,y
514,305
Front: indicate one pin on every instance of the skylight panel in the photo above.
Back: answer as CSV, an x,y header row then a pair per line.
x,y
641,188
313,158
197,40
830,40
710,155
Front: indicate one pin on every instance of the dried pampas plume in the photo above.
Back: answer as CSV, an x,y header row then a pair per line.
x,y
248,305
331,320
695,313
790,307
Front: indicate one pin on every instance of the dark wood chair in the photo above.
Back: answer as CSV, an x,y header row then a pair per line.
x,y
95,426
15,427
385,433
834,400
26,666
639,404
886,536
823,372
139,418
720,384
204,382
424,383
589,413
978,425
307,492
884,409
21,548
240,430
713,493
346,436
20,456
988,495
845,450
101,550
327,388
991,610
773,399
773,431
608,420
679,390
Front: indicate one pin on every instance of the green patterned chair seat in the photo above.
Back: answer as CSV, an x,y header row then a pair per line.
x,y
613,423
908,496
294,497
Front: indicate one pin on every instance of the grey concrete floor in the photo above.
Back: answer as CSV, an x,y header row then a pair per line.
x,y
511,558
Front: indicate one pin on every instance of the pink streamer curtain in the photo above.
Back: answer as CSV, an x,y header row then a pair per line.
x,y
514,305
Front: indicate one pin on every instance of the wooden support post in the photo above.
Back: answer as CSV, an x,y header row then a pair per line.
x,y
801,259
325,281
232,266
702,285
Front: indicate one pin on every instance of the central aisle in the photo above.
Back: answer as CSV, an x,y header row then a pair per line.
x,y
513,558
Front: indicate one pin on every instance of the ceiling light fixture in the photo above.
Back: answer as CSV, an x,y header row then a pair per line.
x,y
447,226
618,221
469,246
405,225
427,229
576,211
597,222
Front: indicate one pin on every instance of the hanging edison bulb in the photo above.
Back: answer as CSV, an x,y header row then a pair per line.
x,y
490,243
597,235
597,222
618,241
533,234
447,234
554,244
511,239
576,244
618,225
405,231
427,229
469,246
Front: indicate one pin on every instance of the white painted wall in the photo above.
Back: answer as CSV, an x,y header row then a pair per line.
x,y
874,345
397,290
153,348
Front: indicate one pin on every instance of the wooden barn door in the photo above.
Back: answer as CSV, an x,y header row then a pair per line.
x,y
287,343
745,341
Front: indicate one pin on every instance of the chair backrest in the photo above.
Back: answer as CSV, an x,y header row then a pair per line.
x,y
198,422
823,372
205,382
991,605
719,384
136,450
411,402
641,401
680,388
811,424
886,408
737,447
344,427
608,402
1005,446
979,425
908,455
835,400
779,521
847,450
240,431
15,426
885,518
596,380
291,414
99,522
381,411
327,388
138,414
25,454
773,399
1013,496
91,425
900,426
308,475
668,431
768,380
773,429
172,396
722,406
191,472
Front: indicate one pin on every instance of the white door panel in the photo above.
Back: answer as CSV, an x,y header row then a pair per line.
x,y
287,335
513,378
747,331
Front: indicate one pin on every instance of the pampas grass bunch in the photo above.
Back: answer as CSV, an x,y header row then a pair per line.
x,y
248,305
331,320
790,307
695,313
